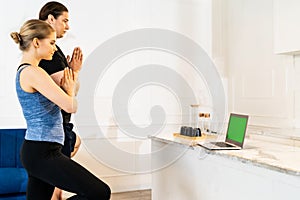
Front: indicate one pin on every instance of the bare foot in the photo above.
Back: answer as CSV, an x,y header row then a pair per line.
x,y
57,194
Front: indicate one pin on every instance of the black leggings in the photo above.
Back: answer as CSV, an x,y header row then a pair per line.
x,y
47,168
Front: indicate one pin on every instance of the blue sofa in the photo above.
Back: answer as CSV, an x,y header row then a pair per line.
x,y
13,177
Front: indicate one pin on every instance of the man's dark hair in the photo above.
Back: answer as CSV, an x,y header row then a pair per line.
x,y
52,8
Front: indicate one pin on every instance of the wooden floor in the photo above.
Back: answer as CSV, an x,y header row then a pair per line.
x,y
134,195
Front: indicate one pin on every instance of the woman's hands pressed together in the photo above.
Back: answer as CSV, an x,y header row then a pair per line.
x,y
68,82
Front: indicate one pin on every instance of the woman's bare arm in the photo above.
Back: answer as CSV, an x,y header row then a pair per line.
x,y
35,79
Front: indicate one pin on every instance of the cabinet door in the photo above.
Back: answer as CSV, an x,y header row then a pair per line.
x,y
286,26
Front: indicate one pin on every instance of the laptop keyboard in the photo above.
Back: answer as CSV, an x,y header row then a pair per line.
x,y
223,144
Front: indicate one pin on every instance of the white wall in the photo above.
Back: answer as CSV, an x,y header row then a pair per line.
x,y
92,23
237,34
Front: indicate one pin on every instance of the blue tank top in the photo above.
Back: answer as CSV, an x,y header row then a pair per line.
x,y
43,117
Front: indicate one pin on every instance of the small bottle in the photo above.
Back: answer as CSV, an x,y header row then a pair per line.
x,y
207,122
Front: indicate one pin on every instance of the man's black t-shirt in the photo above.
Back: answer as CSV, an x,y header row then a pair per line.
x,y
58,63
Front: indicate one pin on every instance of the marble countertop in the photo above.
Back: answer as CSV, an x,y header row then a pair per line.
x,y
281,155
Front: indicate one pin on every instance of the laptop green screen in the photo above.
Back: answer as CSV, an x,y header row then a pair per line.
x,y
237,128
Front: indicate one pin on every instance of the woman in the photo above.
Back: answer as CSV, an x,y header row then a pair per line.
x,y
41,100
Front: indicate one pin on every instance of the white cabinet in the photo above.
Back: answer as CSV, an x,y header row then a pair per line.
x,y
286,26
195,175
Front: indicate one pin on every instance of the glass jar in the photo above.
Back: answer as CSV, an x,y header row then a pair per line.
x,y
194,112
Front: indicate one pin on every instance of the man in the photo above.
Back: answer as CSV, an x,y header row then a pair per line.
x,y
57,15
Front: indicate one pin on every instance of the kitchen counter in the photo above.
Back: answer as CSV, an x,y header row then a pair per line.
x,y
282,155
266,168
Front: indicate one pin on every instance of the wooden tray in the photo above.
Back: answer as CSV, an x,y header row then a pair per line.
x,y
203,137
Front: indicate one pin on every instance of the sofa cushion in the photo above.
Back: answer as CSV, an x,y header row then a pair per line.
x,y
13,180
10,145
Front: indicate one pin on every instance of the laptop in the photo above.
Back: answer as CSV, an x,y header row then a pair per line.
x,y
235,135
